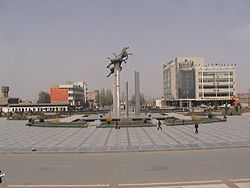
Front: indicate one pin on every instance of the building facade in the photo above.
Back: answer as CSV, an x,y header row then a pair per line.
x,y
188,80
72,93
244,99
5,100
93,98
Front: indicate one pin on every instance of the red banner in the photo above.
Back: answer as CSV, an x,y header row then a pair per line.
x,y
59,94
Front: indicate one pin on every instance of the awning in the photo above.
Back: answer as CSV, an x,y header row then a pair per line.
x,y
236,102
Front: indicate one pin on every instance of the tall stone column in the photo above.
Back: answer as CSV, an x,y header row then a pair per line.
x,y
127,107
116,91
115,67
137,93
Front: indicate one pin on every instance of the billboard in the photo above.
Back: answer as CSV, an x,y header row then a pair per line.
x,y
59,94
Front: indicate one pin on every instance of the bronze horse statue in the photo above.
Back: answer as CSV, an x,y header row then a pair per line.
x,y
121,57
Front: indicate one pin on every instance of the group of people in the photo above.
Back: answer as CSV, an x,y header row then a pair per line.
x,y
196,126
159,127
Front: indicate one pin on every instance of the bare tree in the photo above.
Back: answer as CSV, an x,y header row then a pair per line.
x,y
106,97
43,97
142,99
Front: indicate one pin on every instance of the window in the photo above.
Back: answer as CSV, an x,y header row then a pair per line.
x,y
209,95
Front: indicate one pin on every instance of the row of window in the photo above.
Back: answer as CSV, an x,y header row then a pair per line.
x,y
215,86
216,73
216,80
53,109
216,94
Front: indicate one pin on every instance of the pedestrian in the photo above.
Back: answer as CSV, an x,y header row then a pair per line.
x,y
116,125
29,122
225,118
1,176
159,125
196,127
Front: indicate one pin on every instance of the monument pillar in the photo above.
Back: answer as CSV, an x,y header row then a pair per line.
x,y
127,107
116,90
137,93
115,66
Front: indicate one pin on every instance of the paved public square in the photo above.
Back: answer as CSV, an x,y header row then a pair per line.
x,y
16,137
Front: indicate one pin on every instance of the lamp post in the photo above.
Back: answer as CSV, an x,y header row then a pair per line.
x,y
248,97
187,88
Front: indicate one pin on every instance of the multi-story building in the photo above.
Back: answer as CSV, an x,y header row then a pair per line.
x,y
72,93
187,80
5,100
93,98
244,99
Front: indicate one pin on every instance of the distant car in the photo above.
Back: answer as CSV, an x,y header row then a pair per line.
x,y
203,106
225,105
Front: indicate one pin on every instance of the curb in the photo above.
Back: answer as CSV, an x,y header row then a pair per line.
x,y
127,151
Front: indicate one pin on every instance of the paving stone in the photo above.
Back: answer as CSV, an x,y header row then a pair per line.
x,y
70,149
41,148
10,149
208,145
85,149
15,137
54,149
24,149
193,145
178,146
117,148
147,147
101,148
133,148
223,144
163,147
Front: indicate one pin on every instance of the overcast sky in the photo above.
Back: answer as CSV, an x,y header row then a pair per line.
x,y
46,42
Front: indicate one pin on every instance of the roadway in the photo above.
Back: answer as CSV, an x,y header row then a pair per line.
x,y
125,168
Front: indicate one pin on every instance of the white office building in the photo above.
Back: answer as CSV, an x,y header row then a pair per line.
x,y
189,81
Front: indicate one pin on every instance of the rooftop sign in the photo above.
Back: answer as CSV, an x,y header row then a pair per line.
x,y
186,64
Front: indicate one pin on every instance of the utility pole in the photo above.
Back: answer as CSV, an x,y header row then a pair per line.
x,y
248,97
127,106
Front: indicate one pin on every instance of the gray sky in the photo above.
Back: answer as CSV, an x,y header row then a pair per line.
x,y
46,42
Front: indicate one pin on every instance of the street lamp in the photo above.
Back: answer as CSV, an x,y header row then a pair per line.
x,y
248,97
187,89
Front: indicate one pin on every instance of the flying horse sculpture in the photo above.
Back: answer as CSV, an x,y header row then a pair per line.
x,y
120,58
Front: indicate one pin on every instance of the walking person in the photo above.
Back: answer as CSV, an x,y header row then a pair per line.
x,y
1,176
116,125
159,125
196,127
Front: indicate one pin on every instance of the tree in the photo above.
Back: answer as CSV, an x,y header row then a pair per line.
x,y
43,97
85,104
106,97
142,99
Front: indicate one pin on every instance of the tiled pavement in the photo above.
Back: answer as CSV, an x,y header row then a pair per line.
x,y
16,137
